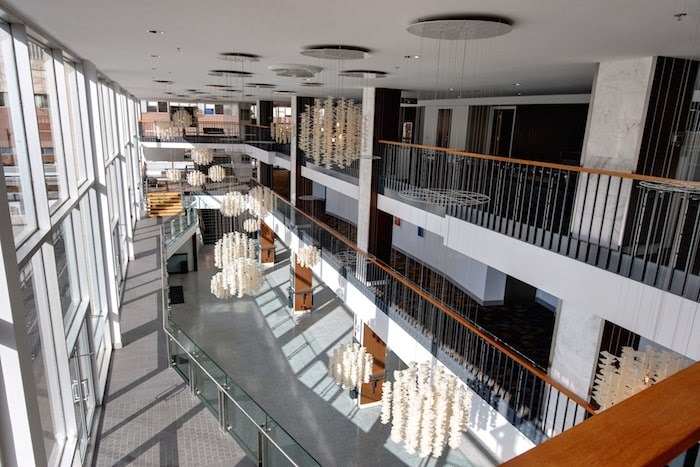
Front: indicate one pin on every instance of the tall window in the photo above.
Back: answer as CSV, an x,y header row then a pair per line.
x,y
15,164
43,81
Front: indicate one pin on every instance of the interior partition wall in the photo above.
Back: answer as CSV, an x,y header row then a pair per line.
x,y
70,197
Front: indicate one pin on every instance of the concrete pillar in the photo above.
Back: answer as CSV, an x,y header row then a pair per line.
x,y
614,132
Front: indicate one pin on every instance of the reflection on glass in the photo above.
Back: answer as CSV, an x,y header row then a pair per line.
x,y
38,359
74,121
64,252
41,68
15,166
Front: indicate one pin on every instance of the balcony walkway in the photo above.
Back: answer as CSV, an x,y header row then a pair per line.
x,y
149,417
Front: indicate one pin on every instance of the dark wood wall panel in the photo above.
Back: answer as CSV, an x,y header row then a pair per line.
x,y
550,132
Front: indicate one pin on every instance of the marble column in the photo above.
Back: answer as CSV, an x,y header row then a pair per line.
x,y
614,132
574,359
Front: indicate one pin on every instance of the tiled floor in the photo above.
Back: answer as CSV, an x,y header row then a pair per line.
x,y
150,418
281,361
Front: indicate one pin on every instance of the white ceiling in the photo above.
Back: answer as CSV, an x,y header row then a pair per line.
x,y
552,48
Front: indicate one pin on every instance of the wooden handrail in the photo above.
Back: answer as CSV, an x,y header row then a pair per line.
x,y
650,428
548,165
524,363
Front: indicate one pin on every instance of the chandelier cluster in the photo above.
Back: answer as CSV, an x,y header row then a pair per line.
x,y
217,173
262,201
173,175
240,272
351,365
164,130
426,410
181,119
232,204
308,256
251,225
331,132
202,156
635,370
196,178
282,132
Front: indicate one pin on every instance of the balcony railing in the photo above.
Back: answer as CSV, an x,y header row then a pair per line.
x,y
641,227
174,227
530,400
216,132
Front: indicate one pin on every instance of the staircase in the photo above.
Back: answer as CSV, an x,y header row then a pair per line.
x,y
164,204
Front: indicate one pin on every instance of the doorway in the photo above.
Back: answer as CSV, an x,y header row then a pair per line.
x,y
442,138
372,392
502,125
82,385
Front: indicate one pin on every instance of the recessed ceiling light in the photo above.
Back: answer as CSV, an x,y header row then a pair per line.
x,y
155,31
239,57
520,93
516,84
163,81
452,89
411,56
311,84
155,56
229,73
260,85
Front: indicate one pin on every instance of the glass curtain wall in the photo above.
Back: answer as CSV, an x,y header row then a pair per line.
x,y
80,129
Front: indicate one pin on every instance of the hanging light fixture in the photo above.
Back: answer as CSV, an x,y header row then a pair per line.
x,y
282,132
331,132
351,365
173,175
261,201
202,156
218,287
164,130
251,225
635,370
308,256
427,409
232,204
181,119
196,178
233,246
217,173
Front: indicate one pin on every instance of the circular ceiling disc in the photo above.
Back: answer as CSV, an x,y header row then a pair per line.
x,y
336,52
460,29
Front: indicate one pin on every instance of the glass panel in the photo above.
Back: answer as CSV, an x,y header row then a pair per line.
x,y
15,166
74,122
64,252
39,359
44,98
242,429
77,397
207,391
91,249
180,361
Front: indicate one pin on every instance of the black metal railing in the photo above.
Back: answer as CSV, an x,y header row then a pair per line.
x,y
644,228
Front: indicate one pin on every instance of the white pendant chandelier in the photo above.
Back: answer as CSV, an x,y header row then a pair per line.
x,y
233,246
196,178
232,204
427,409
217,173
282,132
308,256
202,156
261,201
635,370
181,119
251,225
331,132
173,175
351,365
164,130
235,255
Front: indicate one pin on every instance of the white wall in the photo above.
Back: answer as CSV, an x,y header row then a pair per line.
x,y
485,423
483,283
341,206
660,316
